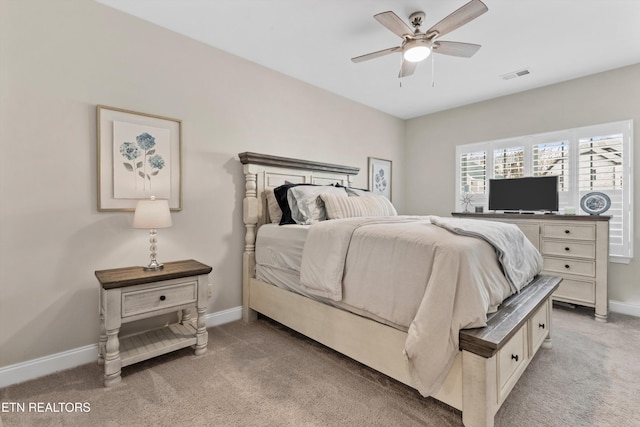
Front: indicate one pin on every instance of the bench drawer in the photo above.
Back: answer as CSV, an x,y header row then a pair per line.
x,y
538,328
512,358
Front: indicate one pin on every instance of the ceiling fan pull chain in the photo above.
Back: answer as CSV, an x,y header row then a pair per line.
x,y
433,71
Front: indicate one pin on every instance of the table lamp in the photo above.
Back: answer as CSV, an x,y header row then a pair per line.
x,y
152,214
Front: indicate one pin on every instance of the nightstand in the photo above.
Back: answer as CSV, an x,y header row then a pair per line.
x,y
130,294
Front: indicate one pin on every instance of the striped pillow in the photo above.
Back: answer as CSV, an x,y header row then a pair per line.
x,y
350,207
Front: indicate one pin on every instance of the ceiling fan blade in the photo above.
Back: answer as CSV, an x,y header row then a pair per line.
x,y
465,50
407,68
394,24
458,18
377,54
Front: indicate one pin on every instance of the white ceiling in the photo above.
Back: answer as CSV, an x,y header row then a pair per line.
x,y
313,41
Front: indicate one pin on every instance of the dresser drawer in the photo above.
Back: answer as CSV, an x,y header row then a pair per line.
x,y
569,231
569,266
538,328
511,358
578,291
569,248
157,298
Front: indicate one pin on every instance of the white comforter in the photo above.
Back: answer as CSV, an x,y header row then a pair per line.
x,y
453,280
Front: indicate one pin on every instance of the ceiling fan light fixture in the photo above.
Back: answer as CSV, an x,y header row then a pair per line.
x,y
416,50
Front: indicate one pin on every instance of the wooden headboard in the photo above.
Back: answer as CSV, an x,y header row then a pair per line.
x,y
263,171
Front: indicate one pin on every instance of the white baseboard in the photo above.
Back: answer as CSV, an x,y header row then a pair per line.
x,y
624,308
46,365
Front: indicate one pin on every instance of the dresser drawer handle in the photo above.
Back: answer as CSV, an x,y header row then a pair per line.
x,y
567,266
567,231
541,325
514,357
162,298
567,249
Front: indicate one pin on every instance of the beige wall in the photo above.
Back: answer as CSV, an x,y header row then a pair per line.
x,y
58,59
431,140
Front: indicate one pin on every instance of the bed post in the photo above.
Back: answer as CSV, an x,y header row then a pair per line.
x,y
250,215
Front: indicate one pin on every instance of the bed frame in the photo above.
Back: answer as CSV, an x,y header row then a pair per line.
x,y
491,359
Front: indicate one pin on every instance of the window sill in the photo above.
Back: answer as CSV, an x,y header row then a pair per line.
x,y
620,259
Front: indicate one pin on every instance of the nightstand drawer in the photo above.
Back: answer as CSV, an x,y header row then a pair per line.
x,y
569,231
569,249
157,298
570,266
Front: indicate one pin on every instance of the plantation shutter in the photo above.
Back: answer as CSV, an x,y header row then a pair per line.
x,y
552,159
508,162
473,172
601,169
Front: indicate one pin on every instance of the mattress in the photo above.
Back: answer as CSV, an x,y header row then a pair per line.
x,y
278,261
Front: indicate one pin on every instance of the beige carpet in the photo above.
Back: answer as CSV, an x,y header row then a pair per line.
x,y
265,375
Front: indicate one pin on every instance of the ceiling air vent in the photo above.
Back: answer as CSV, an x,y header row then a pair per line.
x,y
515,74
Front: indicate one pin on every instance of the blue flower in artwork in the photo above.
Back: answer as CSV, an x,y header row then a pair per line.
x,y
380,181
146,141
129,150
156,162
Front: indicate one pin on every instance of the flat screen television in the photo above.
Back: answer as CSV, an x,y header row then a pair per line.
x,y
538,193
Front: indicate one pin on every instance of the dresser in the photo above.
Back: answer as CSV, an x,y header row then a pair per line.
x,y
131,293
574,247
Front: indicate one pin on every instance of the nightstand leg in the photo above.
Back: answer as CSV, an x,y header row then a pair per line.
x,y
186,316
201,333
112,362
102,344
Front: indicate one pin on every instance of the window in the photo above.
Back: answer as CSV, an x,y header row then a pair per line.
x,y
592,158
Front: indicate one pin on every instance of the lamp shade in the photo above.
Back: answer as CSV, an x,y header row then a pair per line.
x,y
153,213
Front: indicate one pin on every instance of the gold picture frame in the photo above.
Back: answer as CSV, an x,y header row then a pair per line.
x,y
139,155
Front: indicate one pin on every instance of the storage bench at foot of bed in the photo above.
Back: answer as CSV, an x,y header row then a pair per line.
x,y
494,357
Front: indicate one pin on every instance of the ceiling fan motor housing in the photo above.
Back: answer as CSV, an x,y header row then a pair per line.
x,y
416,19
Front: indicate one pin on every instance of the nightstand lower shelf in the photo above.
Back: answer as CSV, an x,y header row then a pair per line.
x,y
139,347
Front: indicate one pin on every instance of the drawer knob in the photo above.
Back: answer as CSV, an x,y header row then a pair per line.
x,y
541,325
567,266
567,249
162,298
567,231
514,357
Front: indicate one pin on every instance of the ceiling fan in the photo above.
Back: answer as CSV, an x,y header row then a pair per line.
x,y
417,46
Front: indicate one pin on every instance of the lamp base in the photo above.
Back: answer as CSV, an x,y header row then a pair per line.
x,y
153,266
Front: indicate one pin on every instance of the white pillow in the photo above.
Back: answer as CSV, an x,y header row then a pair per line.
x,y
357,192
275,213
349,207
306,205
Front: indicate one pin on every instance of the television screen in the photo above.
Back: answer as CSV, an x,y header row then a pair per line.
x,y
524,194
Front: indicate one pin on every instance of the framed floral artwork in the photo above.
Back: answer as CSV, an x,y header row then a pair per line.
x,y
139,156
380,176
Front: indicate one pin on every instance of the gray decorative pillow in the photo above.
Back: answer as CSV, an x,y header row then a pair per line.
x,y
306,205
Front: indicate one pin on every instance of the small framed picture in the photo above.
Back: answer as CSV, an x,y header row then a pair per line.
x,y
139,156
380,177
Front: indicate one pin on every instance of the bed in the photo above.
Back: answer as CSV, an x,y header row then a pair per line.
x,y
488,361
